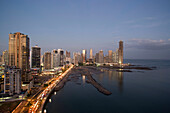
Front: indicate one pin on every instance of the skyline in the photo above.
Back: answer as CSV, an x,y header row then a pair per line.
x,y
76,25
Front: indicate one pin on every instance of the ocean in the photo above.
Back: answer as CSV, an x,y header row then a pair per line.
x,y
139,91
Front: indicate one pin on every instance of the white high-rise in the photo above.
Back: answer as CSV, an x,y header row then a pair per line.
x,y
61,57
55,59
77,58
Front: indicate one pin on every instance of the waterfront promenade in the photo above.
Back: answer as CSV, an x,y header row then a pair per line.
x,y
38,105
36,102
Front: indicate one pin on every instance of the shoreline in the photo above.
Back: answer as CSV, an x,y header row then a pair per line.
x,y
129,67
85,71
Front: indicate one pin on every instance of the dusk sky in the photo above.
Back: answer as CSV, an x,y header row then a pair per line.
x,y
143,25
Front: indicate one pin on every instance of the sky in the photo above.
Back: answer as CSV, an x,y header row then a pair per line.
x,y
73,25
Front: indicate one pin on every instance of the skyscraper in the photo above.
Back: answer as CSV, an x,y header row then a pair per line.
x,y
55,59
110,56
84,55
120,52
106,59
61,57
67,54
5,57
47,60
1,60
35,57
116,56
42,63
77,58
101,56
91,54
19,53
97,58
68,58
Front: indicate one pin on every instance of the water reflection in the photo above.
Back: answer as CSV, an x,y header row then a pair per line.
x,y
117,76
84,79
101,76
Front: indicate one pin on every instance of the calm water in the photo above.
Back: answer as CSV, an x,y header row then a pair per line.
x,y
132,92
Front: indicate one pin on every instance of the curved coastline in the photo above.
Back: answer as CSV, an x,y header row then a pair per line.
x,y
85,71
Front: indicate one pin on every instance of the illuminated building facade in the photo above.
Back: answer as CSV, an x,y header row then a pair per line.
x,y
55,59
84,55
5,57
12,80
1,59
67,54
110,56
61,57
120,52
97,58
101,56
47,60
106,59
116,56
91,54
68,58
19,53
77,58
35,57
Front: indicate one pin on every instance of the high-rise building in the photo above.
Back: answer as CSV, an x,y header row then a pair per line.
x,y
35,57
47,60
5,57
61,57
106,59
91,61
42,63
68,58
58,58
1,59
84,55
97,58
12,80
67,54
77,58
116,56
55,59
91,54
120,52
94,59
110,56
19,53
101,56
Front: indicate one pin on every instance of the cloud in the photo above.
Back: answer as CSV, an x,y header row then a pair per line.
x,y
149,18
129,21
143,22
149,44
146,25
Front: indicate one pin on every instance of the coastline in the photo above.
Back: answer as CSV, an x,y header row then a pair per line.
x,y
83,70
